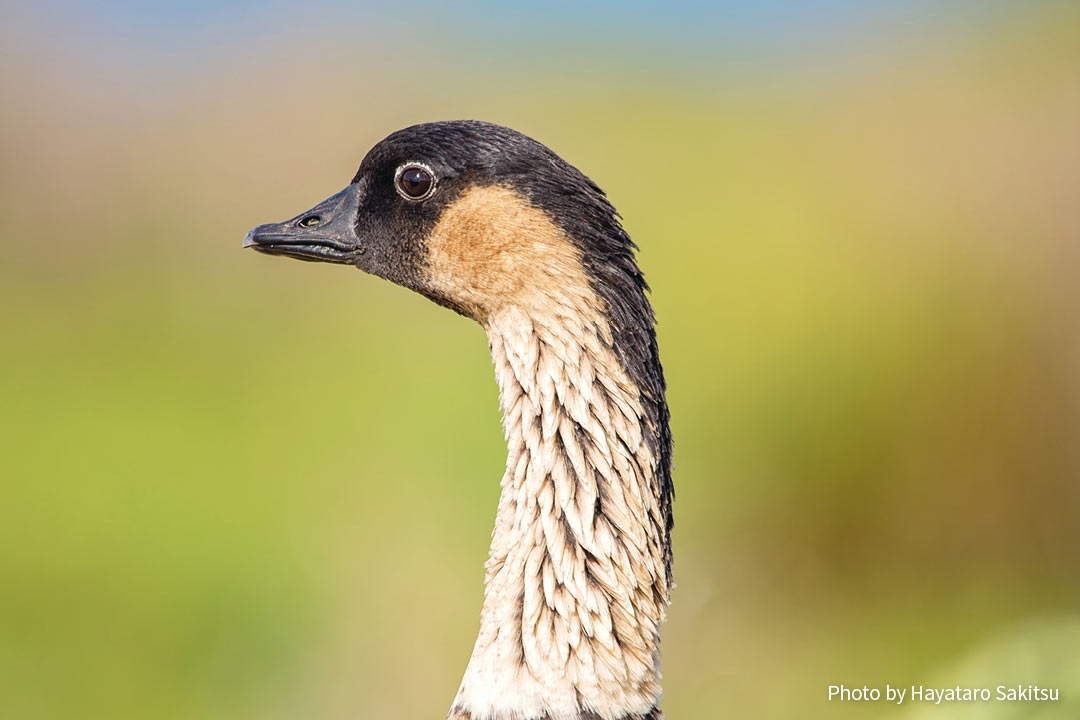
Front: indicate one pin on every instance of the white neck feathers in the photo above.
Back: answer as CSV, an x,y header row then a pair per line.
x,y
576,582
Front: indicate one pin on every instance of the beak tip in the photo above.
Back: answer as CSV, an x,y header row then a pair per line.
x,y
249,239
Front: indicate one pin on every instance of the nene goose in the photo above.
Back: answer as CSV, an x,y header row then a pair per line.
x,y
490,223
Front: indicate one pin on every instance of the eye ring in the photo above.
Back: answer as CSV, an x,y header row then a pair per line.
x,y
414,177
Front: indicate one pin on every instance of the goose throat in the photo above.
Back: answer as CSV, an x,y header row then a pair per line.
x,y
577,577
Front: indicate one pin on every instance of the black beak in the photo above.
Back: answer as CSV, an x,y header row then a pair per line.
x,y
325,233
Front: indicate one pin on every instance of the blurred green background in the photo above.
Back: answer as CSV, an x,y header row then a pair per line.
x,y
236,486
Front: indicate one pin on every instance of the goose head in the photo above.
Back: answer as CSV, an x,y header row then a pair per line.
x,y
473,215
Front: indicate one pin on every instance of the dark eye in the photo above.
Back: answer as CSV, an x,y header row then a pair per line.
x,y
415,182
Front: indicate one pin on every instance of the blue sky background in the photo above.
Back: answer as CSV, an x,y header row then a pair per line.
x,y
639,32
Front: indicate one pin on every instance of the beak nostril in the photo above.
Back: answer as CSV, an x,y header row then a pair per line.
x,y
309,221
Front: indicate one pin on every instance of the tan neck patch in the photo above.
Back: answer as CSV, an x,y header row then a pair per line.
x,y
491,249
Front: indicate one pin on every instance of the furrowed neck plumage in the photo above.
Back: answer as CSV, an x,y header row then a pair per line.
x,y
578,574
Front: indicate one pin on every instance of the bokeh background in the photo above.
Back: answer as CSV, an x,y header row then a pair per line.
x,y
234,486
